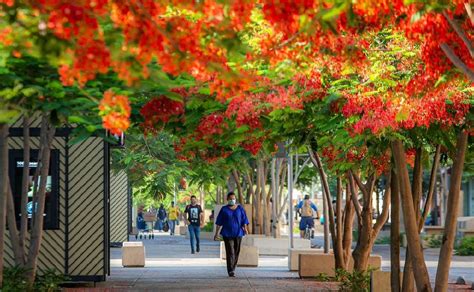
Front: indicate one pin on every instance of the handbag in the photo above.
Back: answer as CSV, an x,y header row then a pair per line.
x,y
166,227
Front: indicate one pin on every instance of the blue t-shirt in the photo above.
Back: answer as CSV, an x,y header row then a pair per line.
x,y
232,221
313,206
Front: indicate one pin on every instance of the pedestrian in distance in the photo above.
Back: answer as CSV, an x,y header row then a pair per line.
x,y
306,208
194,220
232,224
161,217
173,213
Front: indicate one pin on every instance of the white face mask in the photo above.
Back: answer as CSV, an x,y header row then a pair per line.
x,y
231,202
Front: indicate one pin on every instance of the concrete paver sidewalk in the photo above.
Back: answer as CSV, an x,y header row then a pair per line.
x,y
170,266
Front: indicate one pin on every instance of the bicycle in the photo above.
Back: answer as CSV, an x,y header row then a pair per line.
x,y
309,231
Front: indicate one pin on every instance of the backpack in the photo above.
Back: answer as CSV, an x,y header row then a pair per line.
x,y
306,210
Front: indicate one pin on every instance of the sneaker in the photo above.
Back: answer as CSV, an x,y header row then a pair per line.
x,y
231,274
198,249
192,252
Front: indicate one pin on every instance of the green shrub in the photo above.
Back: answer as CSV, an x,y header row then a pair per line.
x,y
355,235
350,281
14,280
383,240
355,281
434,240
49,281
323,277
466,246
209,227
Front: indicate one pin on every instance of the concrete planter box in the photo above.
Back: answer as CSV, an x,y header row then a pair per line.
x,y
202,235
248,239
311,265
277,246
183,230
133,254
248,256
380,281
434,230
222,251
294,256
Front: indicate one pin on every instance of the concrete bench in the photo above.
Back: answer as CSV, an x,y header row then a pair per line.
x,y
434,230
248,256
278,246
311,265
248,239
203,235
380,281
133,254
183,230
294,256
466,226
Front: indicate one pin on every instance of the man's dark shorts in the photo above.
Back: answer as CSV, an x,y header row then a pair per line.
x,y
306,221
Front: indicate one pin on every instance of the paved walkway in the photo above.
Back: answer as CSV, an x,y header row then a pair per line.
x,y
170,266
460,266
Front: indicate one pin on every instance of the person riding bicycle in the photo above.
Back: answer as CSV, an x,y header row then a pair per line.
x,y
305,208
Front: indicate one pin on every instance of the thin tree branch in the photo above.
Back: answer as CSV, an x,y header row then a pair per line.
x,y
357,179
469,12
448,51
386,202
431,188
354,198
460,32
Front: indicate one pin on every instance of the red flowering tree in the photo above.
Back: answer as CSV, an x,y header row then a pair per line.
x,y
225,45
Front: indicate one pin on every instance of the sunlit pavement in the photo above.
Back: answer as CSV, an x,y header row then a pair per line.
x,y
170,266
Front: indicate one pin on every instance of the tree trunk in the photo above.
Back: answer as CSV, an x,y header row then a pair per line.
x,y
417,184
431,188
18,250
201,196
366,238
252,199
236,176
395,236
37,230
446,252
337,246
377,198
274,197
259,193
347,232
25,188
409,216
316,160
3,190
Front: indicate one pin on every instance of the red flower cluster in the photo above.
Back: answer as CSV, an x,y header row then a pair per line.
x,y
410,156
160,110
115,111
381,163
253,147
247,110
310,86
210,125
90,57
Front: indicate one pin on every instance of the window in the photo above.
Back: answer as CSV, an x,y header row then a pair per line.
x,y
51,208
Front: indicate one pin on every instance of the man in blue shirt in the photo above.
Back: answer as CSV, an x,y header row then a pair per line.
x,y
232,224
306,208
